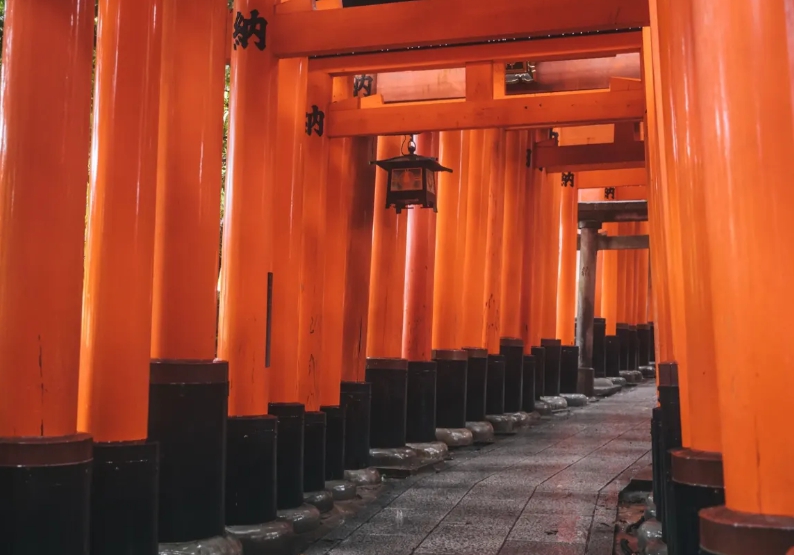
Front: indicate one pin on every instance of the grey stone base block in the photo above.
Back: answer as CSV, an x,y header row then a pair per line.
x,y
363,477
503,424
555,403
655,547
210,546
619,381
648,372
398,456
543,408
435,452
303,519
323,500
575,399
482,432
455,437
270,538
521,420
632,377
342,490
649,531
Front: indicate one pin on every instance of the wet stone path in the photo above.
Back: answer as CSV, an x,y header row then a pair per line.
x,y
550,490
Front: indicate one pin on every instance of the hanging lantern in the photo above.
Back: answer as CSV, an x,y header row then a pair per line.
x,y
412,179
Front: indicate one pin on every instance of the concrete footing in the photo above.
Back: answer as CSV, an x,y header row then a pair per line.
x,y
341,490
503,424
604,387
632,377
431,452
482,432
398,456
455,437
323,500
521,420
555,403
575,399
363,477
648,372
619,381
271,538
305,518
220,545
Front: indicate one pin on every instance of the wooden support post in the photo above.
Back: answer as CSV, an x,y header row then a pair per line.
x,y
386,293
586,293
566,278
535,233
751,331
494,160
551,255
46,105
419,270
609,286
117,298
446,305
643,268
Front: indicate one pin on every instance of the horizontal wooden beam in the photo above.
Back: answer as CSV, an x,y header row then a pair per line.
x,y
538,110
606,156
601,179
619,242
539,50
614,211
440,22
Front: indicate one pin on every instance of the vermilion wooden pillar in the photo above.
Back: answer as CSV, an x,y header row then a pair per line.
x,y
446,306
386,294
566,277
513,233
551,255
609,282
468,139
643,268
117,299
534,236
494,159
46,104
753,143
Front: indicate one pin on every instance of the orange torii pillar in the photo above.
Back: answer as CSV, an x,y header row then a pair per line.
x,y
549,267
417,337
511,345
189,390
45,465
246,262
566,277
117,295
451,363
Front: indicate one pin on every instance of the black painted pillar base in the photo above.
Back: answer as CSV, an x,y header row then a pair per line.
x,y
697,480
251,470
657,463
643,345
633,348
513,351
289,453
476,384
599,333
612,356
540,371
551,383
389,379
528,384
355,398
421,405
569,368
585,382
622,332
188,407
313,451
727,532
652,344
670,439
124,499
451,388
334,442
495,386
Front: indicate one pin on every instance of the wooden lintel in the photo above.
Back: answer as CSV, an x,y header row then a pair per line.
x,y
620,242
438,22
538,110
606,156
614,211
540,50
601,179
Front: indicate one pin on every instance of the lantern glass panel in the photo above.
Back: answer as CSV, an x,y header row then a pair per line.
x,y
431,181
406,179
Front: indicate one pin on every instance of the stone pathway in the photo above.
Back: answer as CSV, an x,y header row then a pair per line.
x,y
552,490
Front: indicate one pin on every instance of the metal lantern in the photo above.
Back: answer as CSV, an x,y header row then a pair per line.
x,y
412,179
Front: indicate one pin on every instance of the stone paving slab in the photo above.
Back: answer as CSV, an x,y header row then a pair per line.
x,y
549,490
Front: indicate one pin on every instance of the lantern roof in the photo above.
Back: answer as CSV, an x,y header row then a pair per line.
x,y
411,161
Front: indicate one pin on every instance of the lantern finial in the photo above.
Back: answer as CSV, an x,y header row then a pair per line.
x,y
411,145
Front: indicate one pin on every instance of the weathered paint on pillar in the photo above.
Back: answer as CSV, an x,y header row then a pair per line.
x,y
642,272
494,157
473,275
551,255
387,290
585,307
461,236
358,258
513,233
749,241
419,269
286,229
247,240
609,283
117,297
539,192
566,277
311,375
446,306
186,246
529,265
46,106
